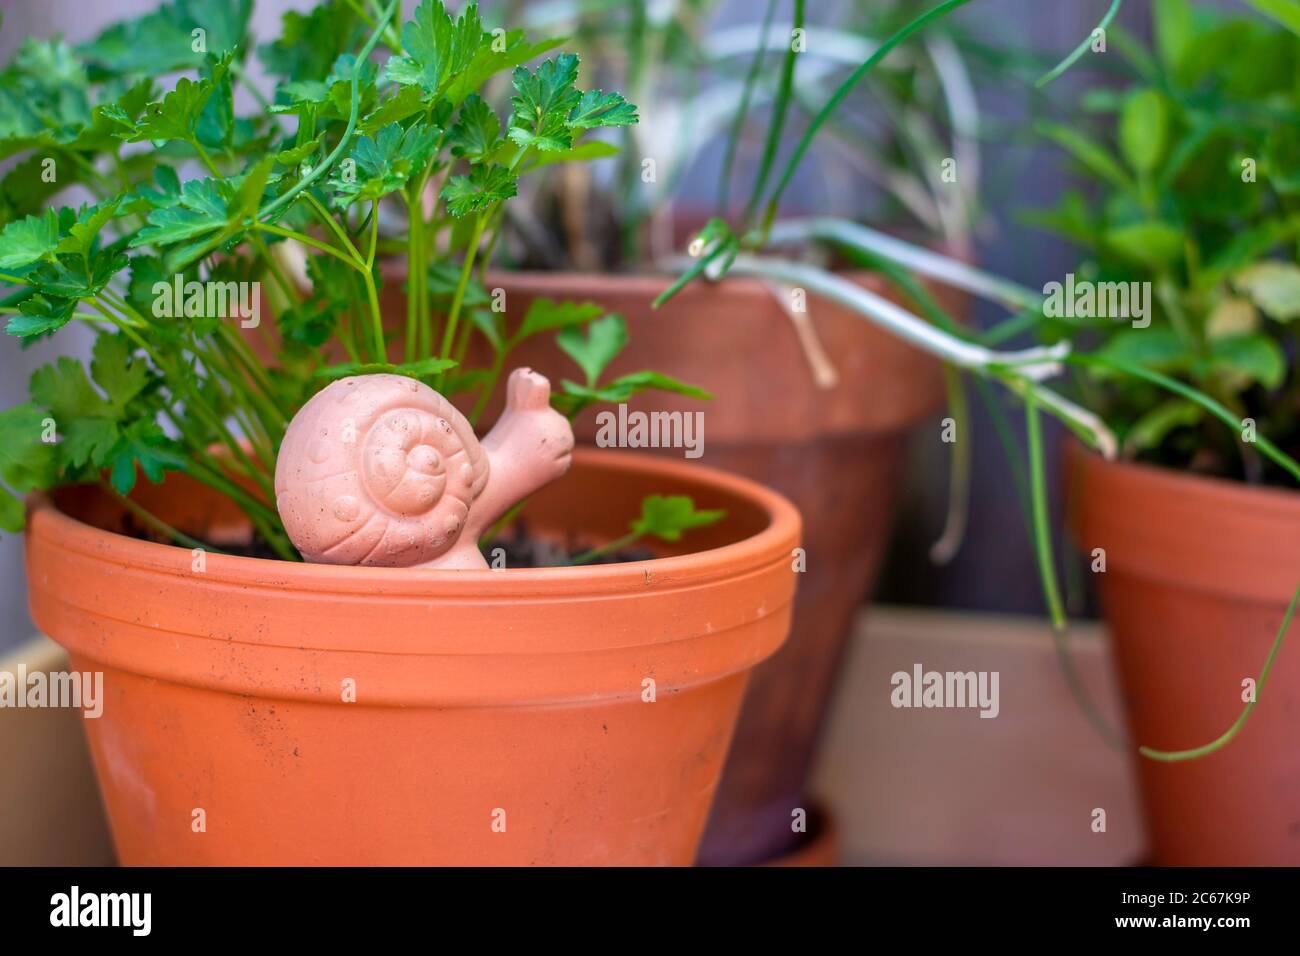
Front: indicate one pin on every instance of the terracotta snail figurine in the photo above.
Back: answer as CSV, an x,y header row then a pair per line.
x,y
382,470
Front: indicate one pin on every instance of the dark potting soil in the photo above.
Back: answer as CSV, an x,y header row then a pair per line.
x,y
520,548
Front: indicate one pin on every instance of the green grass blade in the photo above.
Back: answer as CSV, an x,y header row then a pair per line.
x,y
843,91
1177,756
1277,455
742,111
1081,49
780,110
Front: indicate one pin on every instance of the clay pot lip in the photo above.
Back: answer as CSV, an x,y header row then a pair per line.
x,y
61,531
1185,531
1235,492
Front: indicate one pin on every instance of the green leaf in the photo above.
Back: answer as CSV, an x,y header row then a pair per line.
x,y
1273,286
384,163
1256,356
573,398
545,315
1153,244
1158,347
437,47
1285,12
421,370
543,100
476,132
582,153
81,235
1155,425
483,187
310,43
144,446
296,155
27,462
502,53
177,116
29,240
1173,30
667,516
549,135
491,325
206,206
1072,218
636,382
1091,155
597,108
41,315
77,277
86,422
65,390
594,347
406,102
164,41
116,370
1143,130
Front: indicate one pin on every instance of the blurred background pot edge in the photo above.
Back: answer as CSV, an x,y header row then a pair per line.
x,y
1198,574
223,689
836,451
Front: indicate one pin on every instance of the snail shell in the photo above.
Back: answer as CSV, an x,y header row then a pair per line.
x,y
382,475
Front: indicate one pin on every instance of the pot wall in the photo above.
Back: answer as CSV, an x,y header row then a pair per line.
x,y
836,453
1198,576
520,691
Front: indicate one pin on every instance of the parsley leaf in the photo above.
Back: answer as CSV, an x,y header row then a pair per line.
x,y
483,187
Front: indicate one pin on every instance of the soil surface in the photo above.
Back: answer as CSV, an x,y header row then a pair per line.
x,y
522,549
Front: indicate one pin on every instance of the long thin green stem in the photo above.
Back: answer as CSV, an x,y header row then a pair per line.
x,y
1176,756
154,522
458,298
742,111
608,548
319,171
833,104
1081,49
780,110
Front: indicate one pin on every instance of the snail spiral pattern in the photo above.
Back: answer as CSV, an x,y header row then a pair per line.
x,y
384,475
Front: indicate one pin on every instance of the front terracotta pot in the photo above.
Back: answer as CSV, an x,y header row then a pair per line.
x,y
836,453
1198,576
265,712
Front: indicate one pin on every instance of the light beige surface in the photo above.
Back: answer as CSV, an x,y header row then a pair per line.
x,y
50,814
949,787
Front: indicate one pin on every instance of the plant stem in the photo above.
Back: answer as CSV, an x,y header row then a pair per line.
x,y
1175,756
153,521
466,271
617,544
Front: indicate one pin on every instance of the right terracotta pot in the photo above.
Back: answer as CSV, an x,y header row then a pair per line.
x,y
835,452
1198,575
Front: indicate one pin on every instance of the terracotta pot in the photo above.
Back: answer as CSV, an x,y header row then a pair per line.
x,y
1198,575
836,453
510,698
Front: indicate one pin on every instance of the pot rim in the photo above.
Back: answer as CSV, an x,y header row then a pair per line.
x,y
1182,530
1246,493
441,638
784,525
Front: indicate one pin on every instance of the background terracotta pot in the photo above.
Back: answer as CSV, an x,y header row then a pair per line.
x,y
1198,576
836,453
476,692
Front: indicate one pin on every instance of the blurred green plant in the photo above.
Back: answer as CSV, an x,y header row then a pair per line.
x,y
1193,168
703,85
